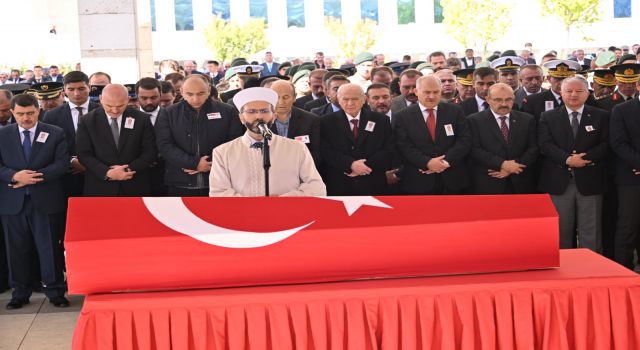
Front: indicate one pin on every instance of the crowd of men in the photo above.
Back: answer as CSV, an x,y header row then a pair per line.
x,y
447,125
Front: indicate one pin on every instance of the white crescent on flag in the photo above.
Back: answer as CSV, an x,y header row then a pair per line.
x,y
172,212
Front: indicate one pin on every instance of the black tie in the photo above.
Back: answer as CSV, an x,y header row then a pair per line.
x,y
574,124
257,145
80,113
560,101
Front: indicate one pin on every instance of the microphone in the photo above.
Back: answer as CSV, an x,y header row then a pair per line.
x,y
264,130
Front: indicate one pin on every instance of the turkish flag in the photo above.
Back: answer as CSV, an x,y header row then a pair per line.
x,y
132,244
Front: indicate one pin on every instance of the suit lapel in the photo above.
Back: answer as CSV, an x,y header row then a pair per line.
x,y
103,123
68,120
345,125
566,126
35,146
362,124
585,120
293,124
493,126
124,132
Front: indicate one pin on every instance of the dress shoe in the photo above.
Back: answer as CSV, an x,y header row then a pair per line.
x,y
16,303
59,302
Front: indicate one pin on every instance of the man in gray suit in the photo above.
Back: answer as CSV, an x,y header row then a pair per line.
x,y
530,78
408,95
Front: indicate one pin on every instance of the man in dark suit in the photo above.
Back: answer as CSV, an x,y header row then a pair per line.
x,y
468,61
573,143
433,139
148,91
54,74
333,84
530,78
483,79
625,143
581,59
33,157
296,123
356,147
118,146
67,116
504,146
5,119
269,67
316,84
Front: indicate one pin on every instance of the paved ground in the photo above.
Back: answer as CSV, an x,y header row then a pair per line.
x,y
38,325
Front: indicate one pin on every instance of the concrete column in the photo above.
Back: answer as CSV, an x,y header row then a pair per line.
x,y
115,37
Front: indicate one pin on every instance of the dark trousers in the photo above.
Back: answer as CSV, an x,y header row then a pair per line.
x,y
628,229
28,234
173,191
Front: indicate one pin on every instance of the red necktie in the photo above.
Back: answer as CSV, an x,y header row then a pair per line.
x,y
431,123
354,121
504,129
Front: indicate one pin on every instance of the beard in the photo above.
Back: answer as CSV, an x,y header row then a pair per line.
x,y
253,127
149,107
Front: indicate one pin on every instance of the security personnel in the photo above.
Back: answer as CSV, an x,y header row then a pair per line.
x,y
49,95
508,68
626,78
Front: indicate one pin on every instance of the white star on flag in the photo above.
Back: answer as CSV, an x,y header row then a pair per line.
x,y
353,203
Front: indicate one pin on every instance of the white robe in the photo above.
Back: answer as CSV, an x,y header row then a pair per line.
x,y
237,170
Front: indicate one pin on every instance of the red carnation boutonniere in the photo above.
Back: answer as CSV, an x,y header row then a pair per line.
x,y
614,97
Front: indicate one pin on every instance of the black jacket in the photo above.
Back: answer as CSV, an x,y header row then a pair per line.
x,y
556,142
185,135
624,137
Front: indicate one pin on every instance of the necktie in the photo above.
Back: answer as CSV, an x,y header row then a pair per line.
x,y
80,114
574,124
257,145
354,121
26,145
114,130
485,105
560,102
26,149
504,129
431,123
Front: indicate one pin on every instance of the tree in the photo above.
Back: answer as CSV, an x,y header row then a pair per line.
x,y
572,13
359,37
476,23
229,40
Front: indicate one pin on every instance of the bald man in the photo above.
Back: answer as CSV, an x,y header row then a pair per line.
x,y
187,134
293,122
356,146
117,145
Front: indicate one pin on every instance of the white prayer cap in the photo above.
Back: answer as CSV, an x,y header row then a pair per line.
x,y
255,94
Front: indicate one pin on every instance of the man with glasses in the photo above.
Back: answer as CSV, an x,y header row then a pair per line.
x,y
237,166
504,146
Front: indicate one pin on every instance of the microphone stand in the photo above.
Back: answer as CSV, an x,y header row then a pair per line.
x,y
266,161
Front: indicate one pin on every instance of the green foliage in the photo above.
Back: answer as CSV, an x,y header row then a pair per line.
x,y
229,40
352,39
406,11
572,12
476,23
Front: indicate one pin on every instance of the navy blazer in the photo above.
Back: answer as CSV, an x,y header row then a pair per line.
x,y
61,117
556,142
49,158
624,136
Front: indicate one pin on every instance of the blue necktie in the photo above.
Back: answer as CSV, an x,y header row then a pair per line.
x,y
26,145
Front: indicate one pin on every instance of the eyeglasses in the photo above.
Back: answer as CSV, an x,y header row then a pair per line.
x,y
254,111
